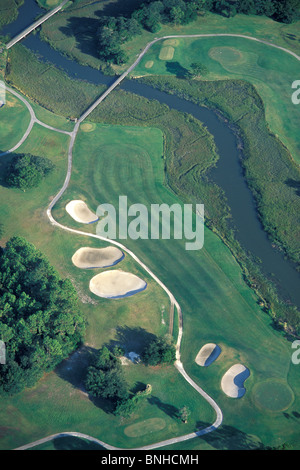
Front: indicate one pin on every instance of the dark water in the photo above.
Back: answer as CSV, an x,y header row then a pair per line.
x,y
28,12
228,173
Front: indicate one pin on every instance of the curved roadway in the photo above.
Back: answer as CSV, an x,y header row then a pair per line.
x,y
73,134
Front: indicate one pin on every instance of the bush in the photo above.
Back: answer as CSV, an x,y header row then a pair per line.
x,y
160,351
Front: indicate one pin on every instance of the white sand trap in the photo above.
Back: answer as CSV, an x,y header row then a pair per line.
x,y
80,212
208,354
116,284
88,258
232,382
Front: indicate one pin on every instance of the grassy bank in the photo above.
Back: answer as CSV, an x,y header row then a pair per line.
x,y
9,11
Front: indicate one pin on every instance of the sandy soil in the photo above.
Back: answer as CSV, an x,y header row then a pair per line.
x,y
87,258
232,382
208,354
80,212
116,284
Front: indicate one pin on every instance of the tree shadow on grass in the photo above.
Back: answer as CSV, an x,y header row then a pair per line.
x,y
131,339
75,443
176,69
293,184
85,32
5,161
120,8
229,438
170,410
73,369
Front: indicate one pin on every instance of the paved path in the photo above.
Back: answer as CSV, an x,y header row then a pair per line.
x,y
33,120
174,303
35,25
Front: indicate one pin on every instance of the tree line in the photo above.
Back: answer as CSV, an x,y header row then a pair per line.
x,y
40,319
113,32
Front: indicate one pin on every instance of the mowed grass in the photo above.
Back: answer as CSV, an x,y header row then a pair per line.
x,y
217,306
270,70
74,31
14,118
216,303
58,402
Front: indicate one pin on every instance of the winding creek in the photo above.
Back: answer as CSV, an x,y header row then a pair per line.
x,y
228,174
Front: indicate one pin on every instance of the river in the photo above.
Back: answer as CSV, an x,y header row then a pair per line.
x,y
228,173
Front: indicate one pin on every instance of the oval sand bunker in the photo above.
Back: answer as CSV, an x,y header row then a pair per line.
x,y
80,212
232,382
116,284
208,354
88,258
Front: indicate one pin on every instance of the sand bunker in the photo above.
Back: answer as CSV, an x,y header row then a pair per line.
x,y
80,212
232,382
88,258
116,284
208,354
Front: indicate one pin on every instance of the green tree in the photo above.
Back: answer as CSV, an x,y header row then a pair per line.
x,y
160,351
199,69
105,378
27,171
40,321
184,413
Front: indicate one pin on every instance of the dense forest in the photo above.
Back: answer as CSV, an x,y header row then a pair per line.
x,y
40,320
113,32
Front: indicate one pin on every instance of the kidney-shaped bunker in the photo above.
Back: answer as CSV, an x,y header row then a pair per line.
x,y
208,354
80,212
232,382
116,284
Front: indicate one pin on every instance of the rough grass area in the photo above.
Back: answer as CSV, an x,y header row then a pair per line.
x,y
51,87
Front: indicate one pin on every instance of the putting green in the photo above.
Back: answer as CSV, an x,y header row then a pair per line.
x,y
226,55
88,127
270,70
273,395
147,426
